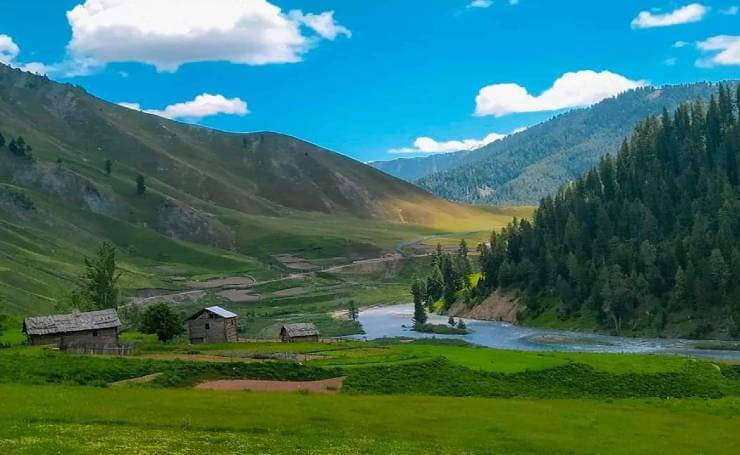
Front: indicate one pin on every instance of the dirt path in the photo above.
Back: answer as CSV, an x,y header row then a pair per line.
x,y
326,386
140,380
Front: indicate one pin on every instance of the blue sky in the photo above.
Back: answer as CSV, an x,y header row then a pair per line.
x,y
374,76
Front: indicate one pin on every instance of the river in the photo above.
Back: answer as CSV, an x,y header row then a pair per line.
x,y
395,321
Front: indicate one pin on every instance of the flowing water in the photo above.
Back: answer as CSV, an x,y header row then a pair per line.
x,y
396,320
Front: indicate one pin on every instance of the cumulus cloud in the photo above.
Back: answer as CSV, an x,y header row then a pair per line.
x,y
480,4
8,49
679,44
428,145
167,33
574,89
204,105
693,12
725,50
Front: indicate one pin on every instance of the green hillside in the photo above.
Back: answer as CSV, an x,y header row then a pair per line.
x,y
647,242
215,203
523,168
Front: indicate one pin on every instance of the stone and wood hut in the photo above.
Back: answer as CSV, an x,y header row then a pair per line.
x,y
90,328
212,325
304,331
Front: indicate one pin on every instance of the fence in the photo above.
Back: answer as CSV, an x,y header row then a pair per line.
x,y
97,348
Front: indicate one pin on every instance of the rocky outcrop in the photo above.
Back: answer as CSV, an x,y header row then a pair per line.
x,y
183,222
496,307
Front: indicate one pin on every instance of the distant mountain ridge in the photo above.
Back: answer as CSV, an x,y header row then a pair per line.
x,y
523,168
411,169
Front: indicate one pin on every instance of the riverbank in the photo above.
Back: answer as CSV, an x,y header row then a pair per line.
x,y
395,321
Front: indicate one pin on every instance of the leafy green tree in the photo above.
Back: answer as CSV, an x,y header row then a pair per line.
x,y
100,280
140,184
418,292
159,319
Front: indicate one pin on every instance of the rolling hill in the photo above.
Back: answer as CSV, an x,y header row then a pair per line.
x,y
215,202
524,167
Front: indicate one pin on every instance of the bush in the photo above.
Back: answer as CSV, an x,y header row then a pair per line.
x,y
159,319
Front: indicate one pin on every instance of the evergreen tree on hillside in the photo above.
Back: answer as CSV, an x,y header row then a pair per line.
x,y
647,235
435,286
418,291
140,184
2,140
107,167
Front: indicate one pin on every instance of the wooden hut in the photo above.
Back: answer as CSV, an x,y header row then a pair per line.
x,y
304,331
212,325
90,328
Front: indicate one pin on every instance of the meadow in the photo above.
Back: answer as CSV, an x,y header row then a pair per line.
x,y
427,396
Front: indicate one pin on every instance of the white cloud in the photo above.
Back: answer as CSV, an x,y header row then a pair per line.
x,y
168,33
693,12
480,4
323,24
726,50
680,44
204,105
8,49
38,68
429,146
576,89
731,11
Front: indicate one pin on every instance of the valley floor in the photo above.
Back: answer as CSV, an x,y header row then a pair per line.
x,y
398,397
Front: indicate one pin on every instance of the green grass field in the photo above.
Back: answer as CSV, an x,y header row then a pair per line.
x,y
59,419
421,397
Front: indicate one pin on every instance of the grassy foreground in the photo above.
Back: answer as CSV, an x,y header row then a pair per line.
x,y
420,397
58,419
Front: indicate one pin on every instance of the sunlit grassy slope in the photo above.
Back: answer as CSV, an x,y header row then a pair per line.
x,y
216,203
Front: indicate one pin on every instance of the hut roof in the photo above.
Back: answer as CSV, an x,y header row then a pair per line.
x,y
75,322
217,310
303,329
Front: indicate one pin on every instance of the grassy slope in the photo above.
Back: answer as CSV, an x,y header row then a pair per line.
x,y
217,203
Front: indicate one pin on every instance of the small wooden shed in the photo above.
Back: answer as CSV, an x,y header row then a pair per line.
x,y
304,331
93,327
212,325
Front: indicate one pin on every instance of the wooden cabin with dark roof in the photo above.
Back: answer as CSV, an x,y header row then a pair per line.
x,y
93,327
304,331
212,325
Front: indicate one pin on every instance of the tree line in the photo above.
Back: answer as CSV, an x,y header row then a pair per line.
x,y
448,281
647,238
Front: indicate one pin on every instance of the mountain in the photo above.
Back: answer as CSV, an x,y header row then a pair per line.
x,y
647,242
524,167
213,202
411,169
